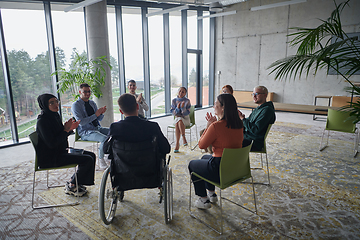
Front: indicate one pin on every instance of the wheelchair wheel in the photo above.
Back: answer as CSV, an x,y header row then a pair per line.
x,y
168,194
108,198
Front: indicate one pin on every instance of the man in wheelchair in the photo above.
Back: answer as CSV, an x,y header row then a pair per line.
x,y
135,145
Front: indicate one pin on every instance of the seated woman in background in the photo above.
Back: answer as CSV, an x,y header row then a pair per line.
x,y
180,108
227,89
227,132
52,149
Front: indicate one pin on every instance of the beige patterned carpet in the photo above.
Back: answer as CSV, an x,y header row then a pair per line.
x,y
313,195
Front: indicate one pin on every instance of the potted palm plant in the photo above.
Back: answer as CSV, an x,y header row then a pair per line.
x,y
326,46
83,70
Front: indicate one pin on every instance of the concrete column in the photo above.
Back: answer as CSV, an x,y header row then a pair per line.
x,y
98,45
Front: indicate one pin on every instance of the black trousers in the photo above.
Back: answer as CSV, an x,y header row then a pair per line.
x,y
207,167
86,166
255,147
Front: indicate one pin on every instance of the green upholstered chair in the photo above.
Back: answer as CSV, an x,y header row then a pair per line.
x,y
188,129
34,140
339,121
234,168
78,139
261,152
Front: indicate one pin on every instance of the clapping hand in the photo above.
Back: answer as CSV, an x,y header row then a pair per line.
x,y
100,111
210,119
181,104
241,115
70,125
139,98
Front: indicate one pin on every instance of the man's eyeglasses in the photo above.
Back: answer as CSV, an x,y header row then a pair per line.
x,y
54,102
87,91
256,94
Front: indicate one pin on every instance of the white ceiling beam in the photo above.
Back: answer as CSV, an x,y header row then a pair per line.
x,y
183,7
218,14
80,4
280,4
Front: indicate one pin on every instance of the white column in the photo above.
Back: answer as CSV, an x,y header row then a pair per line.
x,y
98,45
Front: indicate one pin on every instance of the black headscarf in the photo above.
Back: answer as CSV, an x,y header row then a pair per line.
x,y
43,101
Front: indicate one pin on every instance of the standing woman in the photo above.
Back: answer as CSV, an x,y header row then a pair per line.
x,y
180,108
227,132
52,149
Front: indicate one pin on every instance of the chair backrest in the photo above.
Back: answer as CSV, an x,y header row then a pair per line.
x,y
266,134
77,137
234,166
192,115
34,139
137,165
338,121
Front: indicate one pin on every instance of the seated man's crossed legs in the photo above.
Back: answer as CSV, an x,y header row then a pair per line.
x,y
98,136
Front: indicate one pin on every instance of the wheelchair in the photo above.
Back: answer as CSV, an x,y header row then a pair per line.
x,y
135,166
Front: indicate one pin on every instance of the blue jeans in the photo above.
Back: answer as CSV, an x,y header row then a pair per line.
x,y
98,136
207,167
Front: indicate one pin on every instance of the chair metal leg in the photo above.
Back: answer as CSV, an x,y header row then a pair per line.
x,y
190,138
221,210
262,168
356,142
47,184
267,166
199,219
221,215
327,141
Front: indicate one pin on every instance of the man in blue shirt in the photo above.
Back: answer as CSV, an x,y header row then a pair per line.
x,y
90,116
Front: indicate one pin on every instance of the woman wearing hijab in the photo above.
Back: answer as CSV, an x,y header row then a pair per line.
x,y
52,149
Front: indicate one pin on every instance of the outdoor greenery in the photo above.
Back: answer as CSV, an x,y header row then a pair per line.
x,y
23,130
29,78
83,70
324,47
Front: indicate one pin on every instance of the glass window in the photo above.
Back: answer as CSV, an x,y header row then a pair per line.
x,y
156,59
113,47
5,134
133,47
175,53
69,38
192,29
26,44
205,51
192,76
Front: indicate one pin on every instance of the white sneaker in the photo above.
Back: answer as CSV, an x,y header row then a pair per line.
x,y
102,164
199,203
213,198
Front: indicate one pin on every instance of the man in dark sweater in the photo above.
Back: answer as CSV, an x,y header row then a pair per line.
x,y
256,124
